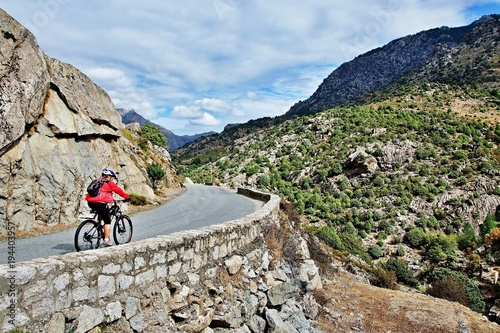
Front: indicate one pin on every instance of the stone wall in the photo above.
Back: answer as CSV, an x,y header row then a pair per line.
x,y
206,280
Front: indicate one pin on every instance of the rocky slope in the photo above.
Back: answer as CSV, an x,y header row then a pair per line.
x,y
58,129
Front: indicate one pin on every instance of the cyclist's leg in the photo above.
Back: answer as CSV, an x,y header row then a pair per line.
x,y
103,212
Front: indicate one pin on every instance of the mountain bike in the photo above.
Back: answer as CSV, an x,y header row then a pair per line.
x,y
90,233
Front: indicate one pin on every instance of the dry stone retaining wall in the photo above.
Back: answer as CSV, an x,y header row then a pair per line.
x,y
217,276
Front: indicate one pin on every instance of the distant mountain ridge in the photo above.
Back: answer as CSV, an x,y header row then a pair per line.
x,y
174,141
381,66
414,58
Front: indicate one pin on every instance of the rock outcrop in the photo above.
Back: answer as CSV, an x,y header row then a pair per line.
x,y
57,130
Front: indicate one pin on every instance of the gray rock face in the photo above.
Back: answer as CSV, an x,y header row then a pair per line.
x,y
58,129
24,81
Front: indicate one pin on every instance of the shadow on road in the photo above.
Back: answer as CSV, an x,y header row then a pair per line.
x,y
65,247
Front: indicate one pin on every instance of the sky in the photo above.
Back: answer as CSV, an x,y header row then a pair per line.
x,y
194,66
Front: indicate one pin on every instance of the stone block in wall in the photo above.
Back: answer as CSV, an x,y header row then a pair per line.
x,y
132,307
106,285
138,323
145,278
57,323
113,311
89,318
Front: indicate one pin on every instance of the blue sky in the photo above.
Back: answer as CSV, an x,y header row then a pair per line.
x,y
195,66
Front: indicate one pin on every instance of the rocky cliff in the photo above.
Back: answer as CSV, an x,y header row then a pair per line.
x,y
57,130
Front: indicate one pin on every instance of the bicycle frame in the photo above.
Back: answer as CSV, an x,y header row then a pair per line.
x,y
114,211
122,229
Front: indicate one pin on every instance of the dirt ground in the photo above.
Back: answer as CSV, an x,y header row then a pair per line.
x,y
357,307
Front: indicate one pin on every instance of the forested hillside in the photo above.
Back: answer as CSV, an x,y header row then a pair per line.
x,y
406,179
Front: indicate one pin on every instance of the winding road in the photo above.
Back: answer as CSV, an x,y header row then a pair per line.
x,y
199,206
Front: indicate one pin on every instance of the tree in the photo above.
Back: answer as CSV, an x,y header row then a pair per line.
x,y
417,237
403,273
467,239
330,237
154,135
488,225
456,287
493,237
375,251
155,173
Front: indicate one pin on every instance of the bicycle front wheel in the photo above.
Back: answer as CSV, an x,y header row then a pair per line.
x,y
122,230
87,236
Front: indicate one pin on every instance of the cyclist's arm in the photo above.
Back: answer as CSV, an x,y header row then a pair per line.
x,y
118,190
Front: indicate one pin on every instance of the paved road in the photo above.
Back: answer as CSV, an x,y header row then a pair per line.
x,y
199,206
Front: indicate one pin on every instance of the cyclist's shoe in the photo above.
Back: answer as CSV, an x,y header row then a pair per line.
x,y
107,243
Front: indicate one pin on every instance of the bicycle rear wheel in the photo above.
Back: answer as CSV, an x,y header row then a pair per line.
x,y
122,230
87,236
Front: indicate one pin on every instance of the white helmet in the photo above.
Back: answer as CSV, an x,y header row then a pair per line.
x,y
108,172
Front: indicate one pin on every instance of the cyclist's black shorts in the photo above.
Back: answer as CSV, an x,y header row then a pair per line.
x,y
102,210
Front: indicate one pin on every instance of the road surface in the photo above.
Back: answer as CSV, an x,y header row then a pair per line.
x,y
199,206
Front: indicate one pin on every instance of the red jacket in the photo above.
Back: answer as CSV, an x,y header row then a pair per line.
x,y
106,194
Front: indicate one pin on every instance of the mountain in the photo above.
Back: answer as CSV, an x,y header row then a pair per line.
x,y
174,141
380,67
401,181
374,74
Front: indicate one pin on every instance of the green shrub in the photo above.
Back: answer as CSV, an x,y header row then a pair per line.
x,y
417,237
138,200
354,245
456,287
154,135
330,237
155,173
488,225
375,251
441,248
264,181
336,169
403,273
496,191
467,239
401,252
440,214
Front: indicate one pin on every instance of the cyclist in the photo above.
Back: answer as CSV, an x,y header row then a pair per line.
x,y
100,202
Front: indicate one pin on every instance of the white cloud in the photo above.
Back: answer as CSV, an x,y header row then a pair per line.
x,y
251,94
112,76
205,120
213,105
208,63
186,112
